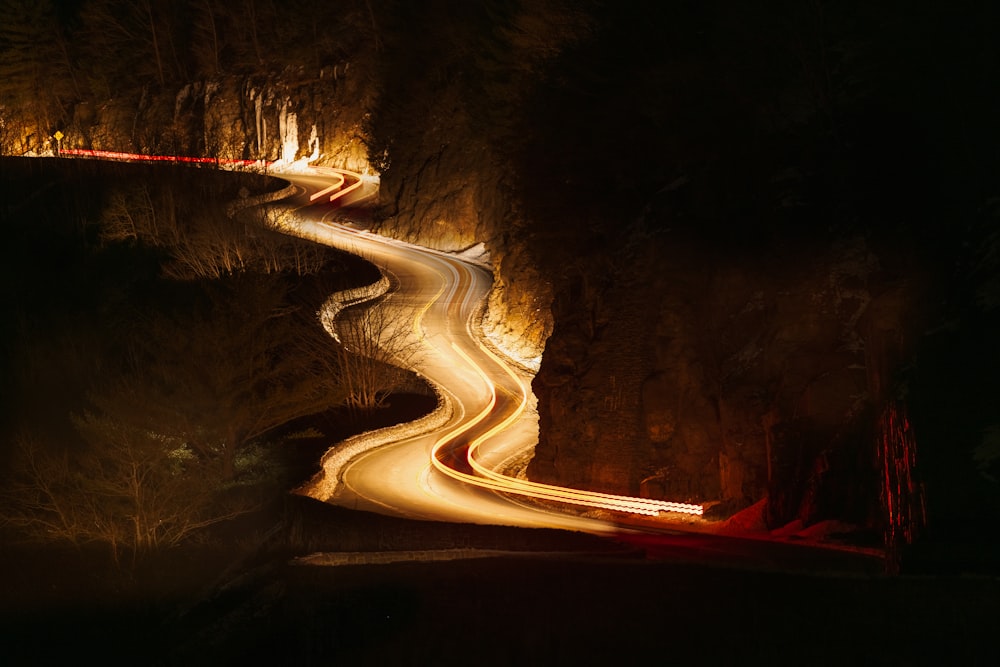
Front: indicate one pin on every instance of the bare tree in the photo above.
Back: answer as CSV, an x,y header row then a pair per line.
x,y
36,76
129,215
206,242
247,359
206,44
376,345
127,488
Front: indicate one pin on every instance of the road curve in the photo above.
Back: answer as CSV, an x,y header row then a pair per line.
x,y
445,467
453,471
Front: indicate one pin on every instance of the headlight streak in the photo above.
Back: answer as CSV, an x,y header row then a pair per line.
x,y
350,188
484,477
337,188
547,491
327,190
418,319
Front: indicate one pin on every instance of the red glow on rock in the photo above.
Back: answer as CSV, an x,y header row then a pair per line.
x,y
903,497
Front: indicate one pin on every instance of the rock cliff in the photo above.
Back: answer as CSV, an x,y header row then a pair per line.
x,y
723,380
276,117
728,229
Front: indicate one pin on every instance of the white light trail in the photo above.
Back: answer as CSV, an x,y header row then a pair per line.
x,y
538,490
324,191
445,447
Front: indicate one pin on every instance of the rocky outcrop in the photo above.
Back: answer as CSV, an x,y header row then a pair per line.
x,y
280,117
518,316
450,190
721,379
722,247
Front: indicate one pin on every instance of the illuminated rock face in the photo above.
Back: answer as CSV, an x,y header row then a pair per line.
x,y
447,186
442,185
271,118
518,315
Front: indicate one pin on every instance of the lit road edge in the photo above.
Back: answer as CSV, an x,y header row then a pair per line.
x,y
483,476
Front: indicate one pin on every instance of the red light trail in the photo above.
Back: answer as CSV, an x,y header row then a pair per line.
x,y
138,157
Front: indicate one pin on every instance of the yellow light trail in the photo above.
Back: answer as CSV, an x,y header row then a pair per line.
x,y
497,481
335,186
448,450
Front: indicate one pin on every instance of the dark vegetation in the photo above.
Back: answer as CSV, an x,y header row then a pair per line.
x,y
588,607
770,229
537,611
764,234
165,370
64,61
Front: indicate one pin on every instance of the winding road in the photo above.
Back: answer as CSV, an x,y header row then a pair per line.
x,y
453,470
449,466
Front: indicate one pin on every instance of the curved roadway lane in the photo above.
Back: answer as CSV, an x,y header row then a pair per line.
x,y
434,475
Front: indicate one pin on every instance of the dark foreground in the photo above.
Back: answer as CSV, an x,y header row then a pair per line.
x,y
597,603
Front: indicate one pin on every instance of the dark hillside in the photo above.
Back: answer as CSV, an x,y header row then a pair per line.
x,y
161,356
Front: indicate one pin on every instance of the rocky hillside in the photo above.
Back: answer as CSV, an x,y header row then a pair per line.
x,y
773,271
740,236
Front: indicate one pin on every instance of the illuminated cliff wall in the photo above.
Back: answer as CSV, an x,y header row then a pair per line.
x,y
730,230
